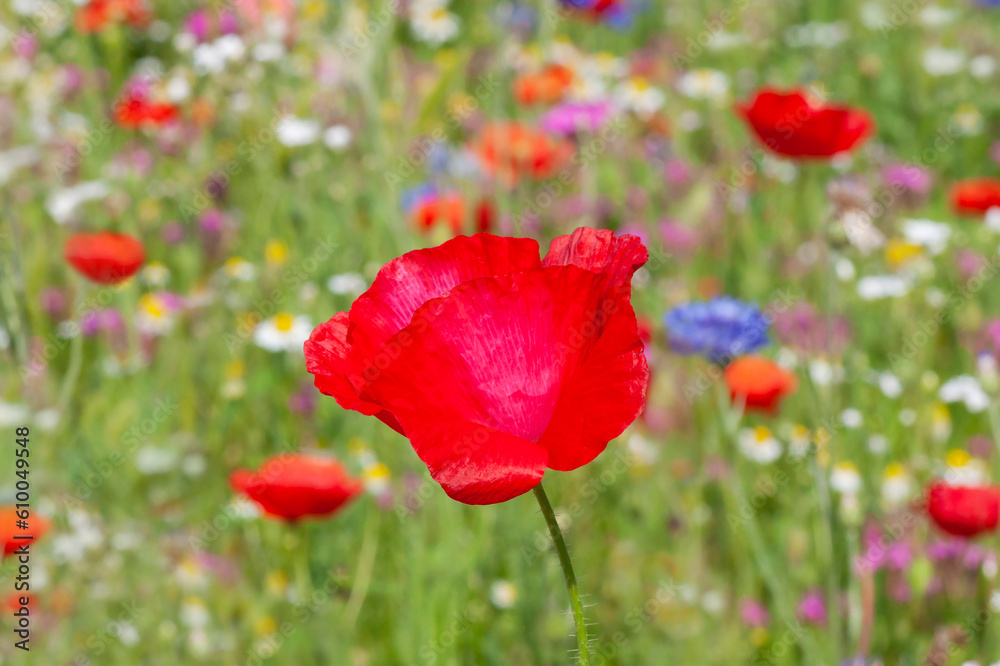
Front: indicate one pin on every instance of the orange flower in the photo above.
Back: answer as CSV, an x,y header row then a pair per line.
x,y
545,87
511,150
12,533
759,382
98,14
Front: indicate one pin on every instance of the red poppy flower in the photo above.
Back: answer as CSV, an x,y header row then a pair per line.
x,y
9,530
136,111
759,382
105,257
294,485
12,601
445,207
511,150
495,364
98,14
975,196
794,125
545,87
963,511
485,215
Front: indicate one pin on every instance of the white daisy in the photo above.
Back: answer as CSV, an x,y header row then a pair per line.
x,y
17,158
940,423
349,284
282,332
294,132
12,414
239,269
889,384
638,95
337,137
178,89
268,51
156,274
759,445
431,21
61,204
927,233
851,418
943,62
875,287
151,460
824,373
844,268
155,316
967,390
642,450
983,66
845,478
934,16
897,487
704,84
503,594
799,440
878,444
860,231
961,469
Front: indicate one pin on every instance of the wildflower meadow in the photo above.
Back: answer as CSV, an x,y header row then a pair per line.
x,y
440,333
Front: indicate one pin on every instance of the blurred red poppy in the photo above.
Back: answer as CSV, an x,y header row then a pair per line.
x,y
975,196
485,215
545,87
963,511
98,14
294,485
12,601
105,257
495,364
444,207
136,111
511,150
793,124
759,382
10,531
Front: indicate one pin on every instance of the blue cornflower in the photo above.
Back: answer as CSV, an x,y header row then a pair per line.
x,y
719,329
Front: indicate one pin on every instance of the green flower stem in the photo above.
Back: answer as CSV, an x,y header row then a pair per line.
x,y
567,567
366,564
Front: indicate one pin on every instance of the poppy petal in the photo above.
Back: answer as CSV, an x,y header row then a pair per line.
x,y
475,464
409,281
599,251
326,353
507,370
607,393
326,357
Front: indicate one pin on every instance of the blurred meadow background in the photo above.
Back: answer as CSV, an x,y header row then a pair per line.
x,y
272,155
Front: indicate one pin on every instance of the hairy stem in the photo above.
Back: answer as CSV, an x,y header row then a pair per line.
x,y
567,567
